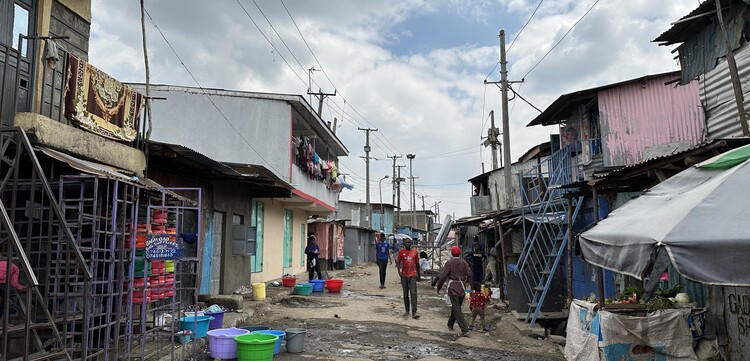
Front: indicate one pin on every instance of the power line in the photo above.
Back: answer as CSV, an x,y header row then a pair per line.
x,y
524,99
449,152
277,34
329,78
561,39
524,26
206,93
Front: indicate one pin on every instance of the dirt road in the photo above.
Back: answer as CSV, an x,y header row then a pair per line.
x,y
365,322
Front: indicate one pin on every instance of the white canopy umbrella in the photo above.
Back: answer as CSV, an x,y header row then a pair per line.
x,y
698,219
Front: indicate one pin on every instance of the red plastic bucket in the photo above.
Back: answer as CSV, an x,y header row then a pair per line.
x,y
334,286
288,281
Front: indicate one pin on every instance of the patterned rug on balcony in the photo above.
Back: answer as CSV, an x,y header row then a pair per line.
x,y
100,104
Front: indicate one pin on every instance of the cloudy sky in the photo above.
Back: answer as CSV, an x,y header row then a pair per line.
x,y
413,69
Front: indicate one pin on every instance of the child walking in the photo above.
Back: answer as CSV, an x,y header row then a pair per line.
x,y
478,302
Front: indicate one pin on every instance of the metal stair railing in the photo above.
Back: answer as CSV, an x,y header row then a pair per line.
x,y
549,267
35,226
540,213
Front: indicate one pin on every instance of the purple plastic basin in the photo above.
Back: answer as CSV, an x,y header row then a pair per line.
x,y
217,321
221,342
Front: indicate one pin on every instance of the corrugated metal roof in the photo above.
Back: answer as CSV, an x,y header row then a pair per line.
x,y
106,171
688,25
561,108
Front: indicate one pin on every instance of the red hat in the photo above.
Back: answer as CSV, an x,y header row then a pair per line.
x,y
455,251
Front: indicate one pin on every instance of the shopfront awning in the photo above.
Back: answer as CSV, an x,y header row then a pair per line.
x,y
106,171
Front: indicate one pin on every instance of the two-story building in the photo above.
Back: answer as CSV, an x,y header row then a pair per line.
x,y
284,163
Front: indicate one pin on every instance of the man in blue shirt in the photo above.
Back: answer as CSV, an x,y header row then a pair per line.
x,y
383,256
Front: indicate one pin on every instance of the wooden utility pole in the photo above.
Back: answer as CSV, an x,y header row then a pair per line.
x,y
148,77
367,174
569,251
732,65
492,140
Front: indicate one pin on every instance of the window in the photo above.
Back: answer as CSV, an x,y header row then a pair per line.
x,y
238,219
21,22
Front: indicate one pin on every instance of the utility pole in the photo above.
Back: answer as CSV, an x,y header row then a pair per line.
x,y
320,95
394,179
492,141
398,195
504,86
426,226
413,198
367,174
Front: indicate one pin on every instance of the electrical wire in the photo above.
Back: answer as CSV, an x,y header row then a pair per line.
x,y
561,39
524,26
208,96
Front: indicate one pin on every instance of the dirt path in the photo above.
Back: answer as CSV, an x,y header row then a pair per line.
x,y
365,322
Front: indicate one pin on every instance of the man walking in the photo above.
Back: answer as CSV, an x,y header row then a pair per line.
x,y
456,271
383,257
407,264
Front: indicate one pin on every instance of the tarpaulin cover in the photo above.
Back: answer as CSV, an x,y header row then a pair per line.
x,y
582,340
659,336
698,216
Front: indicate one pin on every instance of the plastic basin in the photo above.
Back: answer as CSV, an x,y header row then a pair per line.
x,y
288,281
198,325
279,333
221,342
255,328
217,321
303,289
334,286
318,285
255,346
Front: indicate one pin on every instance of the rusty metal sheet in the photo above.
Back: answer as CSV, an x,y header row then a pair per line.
x,y
717,96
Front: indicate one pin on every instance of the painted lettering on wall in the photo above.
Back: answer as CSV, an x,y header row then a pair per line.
x,y
739,306
160,247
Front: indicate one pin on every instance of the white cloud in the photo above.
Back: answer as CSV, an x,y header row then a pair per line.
x,y
430,102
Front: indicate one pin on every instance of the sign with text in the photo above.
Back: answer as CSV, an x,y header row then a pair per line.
x,y
159,247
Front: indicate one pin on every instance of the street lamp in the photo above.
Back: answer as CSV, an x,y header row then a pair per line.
x,y
380,189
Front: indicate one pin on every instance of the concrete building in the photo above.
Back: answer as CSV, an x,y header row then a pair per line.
x,y
274,166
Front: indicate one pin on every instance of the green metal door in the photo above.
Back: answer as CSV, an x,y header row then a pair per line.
x,y
256,220
288,234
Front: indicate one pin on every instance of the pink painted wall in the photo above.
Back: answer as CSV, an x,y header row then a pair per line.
x,y
641,115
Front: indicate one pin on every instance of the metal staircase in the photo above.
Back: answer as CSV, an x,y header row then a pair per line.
x,y
545,234
37,240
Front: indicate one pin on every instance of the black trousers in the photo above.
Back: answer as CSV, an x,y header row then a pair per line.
x,y
313,269
382,264
456,314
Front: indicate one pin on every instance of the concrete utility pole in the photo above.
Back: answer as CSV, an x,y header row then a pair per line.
x,y
492,141
398,195
394,179
413,198
506,123
426,226
367,174
504,86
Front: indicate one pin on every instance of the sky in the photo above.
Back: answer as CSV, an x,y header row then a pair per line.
x,y
413,69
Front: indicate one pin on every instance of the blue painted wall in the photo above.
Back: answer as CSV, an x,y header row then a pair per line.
x,y
205,286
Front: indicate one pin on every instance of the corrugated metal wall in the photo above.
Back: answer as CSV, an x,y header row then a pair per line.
x,y
717,96
641,115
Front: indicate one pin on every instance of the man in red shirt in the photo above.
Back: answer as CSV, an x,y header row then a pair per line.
x,y
407,264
